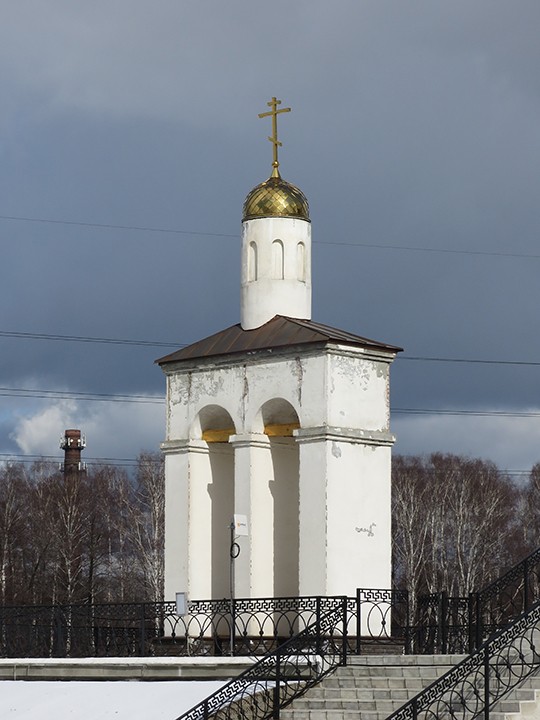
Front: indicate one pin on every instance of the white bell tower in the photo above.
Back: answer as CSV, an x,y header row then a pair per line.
x,y
276,247
283,421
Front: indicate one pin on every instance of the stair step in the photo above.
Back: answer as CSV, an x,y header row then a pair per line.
x,y
374,687
330,715
360,693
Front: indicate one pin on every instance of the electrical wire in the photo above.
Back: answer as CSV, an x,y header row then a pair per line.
x,y
84,339
28,459
133,462
159,343
33,393
75,395
476,413
199,233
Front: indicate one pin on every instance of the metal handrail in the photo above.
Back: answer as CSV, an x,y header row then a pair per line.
x,y
282,675
475,685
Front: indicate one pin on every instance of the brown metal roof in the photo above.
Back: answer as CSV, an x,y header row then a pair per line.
x,y
278,332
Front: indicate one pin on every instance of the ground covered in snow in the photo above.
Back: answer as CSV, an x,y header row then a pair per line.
x,y
95,700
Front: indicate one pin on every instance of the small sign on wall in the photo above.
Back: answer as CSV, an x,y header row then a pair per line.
x,y
241,526
181,603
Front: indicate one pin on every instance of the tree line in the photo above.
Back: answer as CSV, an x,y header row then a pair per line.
x,y
459,523
98,536
82,537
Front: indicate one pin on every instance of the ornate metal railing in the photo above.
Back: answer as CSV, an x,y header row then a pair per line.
x,y
474,686
283,674
441,625
209,627
447,624
506,598
379,618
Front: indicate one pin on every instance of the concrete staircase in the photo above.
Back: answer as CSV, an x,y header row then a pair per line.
x,y
373,687
521,704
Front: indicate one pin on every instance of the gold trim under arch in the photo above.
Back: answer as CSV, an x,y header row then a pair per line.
x,y
223,435
285,430
217,436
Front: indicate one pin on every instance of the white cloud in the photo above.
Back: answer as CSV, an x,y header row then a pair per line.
x,y
112,430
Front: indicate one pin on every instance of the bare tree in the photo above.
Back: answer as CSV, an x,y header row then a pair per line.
x,y
146,518
81,537
12,511
454,522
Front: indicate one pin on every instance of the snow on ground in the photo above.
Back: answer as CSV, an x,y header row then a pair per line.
x,y
95,700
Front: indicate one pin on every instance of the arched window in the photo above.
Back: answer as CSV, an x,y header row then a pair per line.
x,y
278,269
301,261
252,261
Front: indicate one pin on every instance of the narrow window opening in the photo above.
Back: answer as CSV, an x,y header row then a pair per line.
x,y
252,262
278,260
301,261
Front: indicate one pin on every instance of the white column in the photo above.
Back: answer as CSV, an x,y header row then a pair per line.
x,y
176,521
345,510
254,567
183,460
312,569
200,521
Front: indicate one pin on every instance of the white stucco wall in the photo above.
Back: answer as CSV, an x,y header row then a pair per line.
x,y
324,494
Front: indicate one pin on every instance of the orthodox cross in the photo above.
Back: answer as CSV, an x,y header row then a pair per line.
x,y
274,112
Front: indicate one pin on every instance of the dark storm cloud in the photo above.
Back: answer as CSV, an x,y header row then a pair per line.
x,y
414,125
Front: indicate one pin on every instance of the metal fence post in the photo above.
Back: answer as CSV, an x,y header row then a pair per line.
x,y
233,625
318,624
408,629
358,622
443,621
59,645
142,632
526,585
277,688
471,612
344,647
486,682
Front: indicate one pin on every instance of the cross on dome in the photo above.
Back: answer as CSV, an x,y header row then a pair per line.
x,y
273,113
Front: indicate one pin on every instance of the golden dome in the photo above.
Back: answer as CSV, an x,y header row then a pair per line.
x,y
276,198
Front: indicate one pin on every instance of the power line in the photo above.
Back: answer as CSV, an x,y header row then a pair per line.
x,y
75,395
199,233
468,360
153,399
477,413
28,459
133,462
159,343
110,226
84,339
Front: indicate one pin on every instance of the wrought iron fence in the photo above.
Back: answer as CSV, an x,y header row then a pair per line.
x,y
379,618
376,618
209,627
474,686
441,625
506,598
447,624
283,674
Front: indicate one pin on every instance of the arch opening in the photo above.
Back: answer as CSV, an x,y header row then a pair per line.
x,y
279,419
278,260
301,262
252,262
212,504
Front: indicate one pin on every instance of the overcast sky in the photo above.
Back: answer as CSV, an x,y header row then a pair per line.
x,y
415,134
